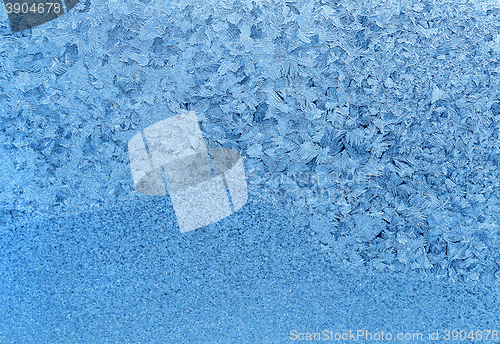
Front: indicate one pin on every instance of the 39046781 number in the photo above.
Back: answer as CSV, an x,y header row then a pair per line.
x,y
473,335
26,8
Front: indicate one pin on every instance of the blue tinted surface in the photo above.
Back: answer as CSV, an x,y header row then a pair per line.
x,y
127,275
369,132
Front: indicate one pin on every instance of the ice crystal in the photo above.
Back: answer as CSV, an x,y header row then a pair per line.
x,y
367,119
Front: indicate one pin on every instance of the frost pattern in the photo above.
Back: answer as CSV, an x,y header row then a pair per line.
x,y
377,123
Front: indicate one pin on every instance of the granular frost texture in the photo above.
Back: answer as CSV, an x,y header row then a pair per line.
x,y
376,124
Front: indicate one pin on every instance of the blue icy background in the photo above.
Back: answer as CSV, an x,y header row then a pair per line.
x,y
370,136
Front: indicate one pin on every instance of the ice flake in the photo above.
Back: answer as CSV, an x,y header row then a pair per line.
x,y
307,151
437,94
255,150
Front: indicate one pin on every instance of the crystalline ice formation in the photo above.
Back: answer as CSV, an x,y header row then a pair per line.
x,y
395,108
176,145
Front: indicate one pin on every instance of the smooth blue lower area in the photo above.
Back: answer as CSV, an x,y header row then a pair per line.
x,y
127,275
